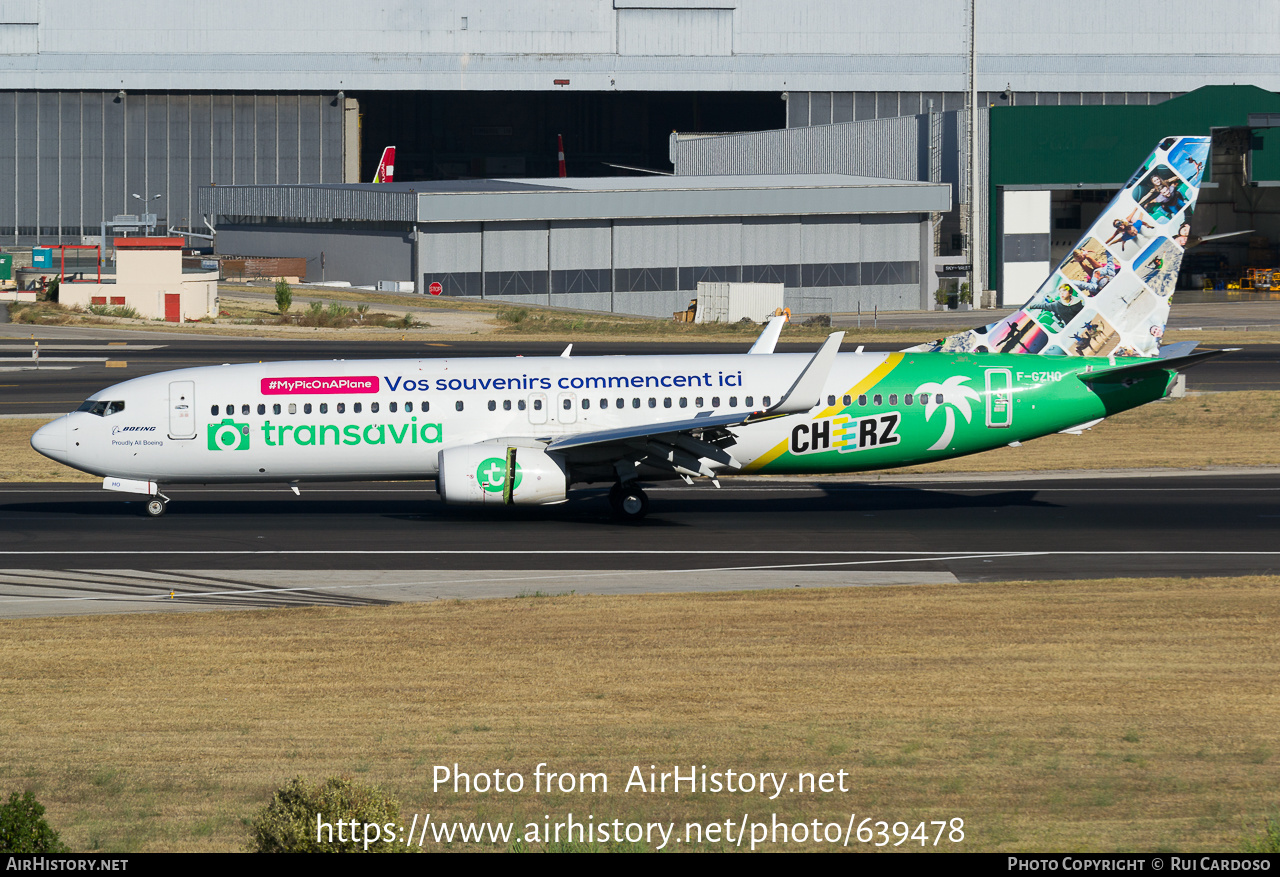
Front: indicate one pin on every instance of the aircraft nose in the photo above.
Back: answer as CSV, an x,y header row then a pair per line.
x,y
51,439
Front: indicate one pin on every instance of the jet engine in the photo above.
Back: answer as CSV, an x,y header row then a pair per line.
x,y
481,474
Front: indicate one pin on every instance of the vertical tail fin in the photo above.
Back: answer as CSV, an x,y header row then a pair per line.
x,y
386,172
1110,296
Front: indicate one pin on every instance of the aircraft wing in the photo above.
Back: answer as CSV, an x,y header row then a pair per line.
x,y
649,430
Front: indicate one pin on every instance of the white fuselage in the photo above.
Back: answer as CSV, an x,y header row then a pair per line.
x,y
357,419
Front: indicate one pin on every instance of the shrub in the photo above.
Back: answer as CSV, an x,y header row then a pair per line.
x,y
51,291
1265,841
289,823
514,316
284,297
114,311
23,828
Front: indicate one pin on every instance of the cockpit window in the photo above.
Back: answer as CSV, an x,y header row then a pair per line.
x,y
102,407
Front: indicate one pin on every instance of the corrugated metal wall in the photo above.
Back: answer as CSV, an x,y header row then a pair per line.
x,y
69,160
895,149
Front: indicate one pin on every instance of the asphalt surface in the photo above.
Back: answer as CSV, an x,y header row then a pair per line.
x,y
72,369
340,541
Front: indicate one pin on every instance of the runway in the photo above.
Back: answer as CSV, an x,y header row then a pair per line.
x,y
74,548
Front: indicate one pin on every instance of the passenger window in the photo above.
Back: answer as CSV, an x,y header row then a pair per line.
x,y
750,400
586,403
604,403
408,408
519,404
893,398
342,407
684,403
848,400
392,407
493,406
698,402
831,400
620,403
426,406
907,399
877,399
231,409
293,407
213,410
244,409
862,400
373,407
733,401
355,407
767,401
653,403
306,409
568,403
262,409
506,405
635,402
938,399
324,407
537,405
458,405
275,409
666,403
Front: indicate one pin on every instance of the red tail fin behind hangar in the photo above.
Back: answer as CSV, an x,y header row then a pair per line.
x,y
386,166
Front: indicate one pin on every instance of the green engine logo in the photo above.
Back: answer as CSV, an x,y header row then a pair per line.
x,y
492,475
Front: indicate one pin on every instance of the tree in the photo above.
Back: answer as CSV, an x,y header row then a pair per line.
x,y
284,296
304,818
23,828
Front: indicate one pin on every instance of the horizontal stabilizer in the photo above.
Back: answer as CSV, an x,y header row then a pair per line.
x,y
1119,372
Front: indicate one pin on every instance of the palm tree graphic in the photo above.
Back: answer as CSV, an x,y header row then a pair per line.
x,y
952,391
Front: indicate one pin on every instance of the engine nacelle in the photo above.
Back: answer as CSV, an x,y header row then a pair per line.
x,y
477,474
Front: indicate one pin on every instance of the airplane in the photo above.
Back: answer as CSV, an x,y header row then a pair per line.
x,y
386,172
525,430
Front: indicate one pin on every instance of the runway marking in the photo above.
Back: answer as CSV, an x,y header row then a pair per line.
x,y
560,577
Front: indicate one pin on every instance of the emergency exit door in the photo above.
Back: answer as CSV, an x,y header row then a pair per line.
x,y
999,398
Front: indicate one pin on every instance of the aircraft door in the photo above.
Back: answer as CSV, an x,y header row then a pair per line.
x,y
568,412
182,409
537,408
999,398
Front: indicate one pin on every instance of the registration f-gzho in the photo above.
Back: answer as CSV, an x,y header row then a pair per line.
x,y
525,430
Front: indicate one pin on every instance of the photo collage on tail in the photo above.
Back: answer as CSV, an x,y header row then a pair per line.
x,y
1110,295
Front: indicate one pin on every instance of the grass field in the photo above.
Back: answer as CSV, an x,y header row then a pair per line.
x,y
1218,429
1115,715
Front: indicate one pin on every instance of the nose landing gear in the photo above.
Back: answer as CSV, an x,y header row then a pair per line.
x,y
157,505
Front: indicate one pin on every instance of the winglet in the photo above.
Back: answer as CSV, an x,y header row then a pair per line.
x,y
565,355
806,392
769,337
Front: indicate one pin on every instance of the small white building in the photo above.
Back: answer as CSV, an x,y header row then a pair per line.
x,y
150,279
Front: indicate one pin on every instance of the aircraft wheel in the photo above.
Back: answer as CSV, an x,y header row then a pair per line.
x,y
629,502
155,507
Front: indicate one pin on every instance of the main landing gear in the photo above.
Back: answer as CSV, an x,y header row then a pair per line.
x,y
629,502
157,505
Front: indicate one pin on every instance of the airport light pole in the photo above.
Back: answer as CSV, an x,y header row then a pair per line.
x,y
974,214
145,202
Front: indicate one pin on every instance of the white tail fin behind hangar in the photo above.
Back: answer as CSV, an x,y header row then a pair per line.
x,y
1110,296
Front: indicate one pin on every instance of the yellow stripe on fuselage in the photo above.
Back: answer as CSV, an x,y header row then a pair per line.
x,y
876,375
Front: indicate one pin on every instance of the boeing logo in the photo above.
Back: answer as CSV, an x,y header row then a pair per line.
x,y
116,430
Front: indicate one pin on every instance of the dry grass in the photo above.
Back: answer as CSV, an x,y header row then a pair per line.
x,y
1120,715
1218,429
